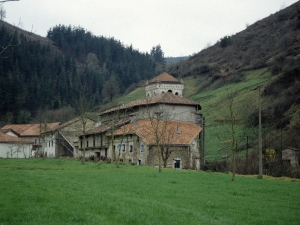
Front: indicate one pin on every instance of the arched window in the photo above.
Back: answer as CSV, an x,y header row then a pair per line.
x,y
176,93
170,91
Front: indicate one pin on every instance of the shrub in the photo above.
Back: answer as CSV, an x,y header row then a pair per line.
x,y
225,41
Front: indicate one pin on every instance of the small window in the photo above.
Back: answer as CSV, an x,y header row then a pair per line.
x,y
123,148
130,148
52,143
177,164
142,148
49,144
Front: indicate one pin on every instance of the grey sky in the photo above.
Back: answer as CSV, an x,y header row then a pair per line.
x,y
181,27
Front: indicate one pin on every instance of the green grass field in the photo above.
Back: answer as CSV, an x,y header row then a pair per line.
x,y
36,191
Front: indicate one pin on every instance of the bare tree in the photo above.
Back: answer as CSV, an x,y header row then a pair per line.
x,y
159,119
3,1
2,13
82,106
118,129
42,136
233,114
4,47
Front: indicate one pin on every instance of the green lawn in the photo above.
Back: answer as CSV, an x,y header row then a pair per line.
x,y
34,191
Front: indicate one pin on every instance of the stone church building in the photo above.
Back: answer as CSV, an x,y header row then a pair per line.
x,y
163,123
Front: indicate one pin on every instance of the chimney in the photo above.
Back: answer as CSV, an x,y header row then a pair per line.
x,y
178,129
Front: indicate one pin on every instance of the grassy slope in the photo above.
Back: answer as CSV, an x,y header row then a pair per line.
x,y
34,191
212,102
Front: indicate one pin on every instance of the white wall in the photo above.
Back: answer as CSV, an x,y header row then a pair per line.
x,y
159,88
12,150
50,145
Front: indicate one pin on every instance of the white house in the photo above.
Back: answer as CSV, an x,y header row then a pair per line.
x,y
31,132
62,140
14,147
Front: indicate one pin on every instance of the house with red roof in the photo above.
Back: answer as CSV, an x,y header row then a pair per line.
x,y
131,126
14,147
31,133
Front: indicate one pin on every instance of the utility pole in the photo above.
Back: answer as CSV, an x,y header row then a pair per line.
x,y
259,137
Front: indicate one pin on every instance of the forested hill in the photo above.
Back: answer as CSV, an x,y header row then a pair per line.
x,y
45,73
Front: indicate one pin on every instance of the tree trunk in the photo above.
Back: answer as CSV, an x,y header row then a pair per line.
x,y
233,165
159,158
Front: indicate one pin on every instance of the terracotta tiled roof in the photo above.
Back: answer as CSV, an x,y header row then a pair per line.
x,y
24,130
106,127
170,132
164,77
99,129
4,138
166,98
68,123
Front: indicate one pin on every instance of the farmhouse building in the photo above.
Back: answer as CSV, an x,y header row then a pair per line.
x,y
13,146
129,125
31,133
62,140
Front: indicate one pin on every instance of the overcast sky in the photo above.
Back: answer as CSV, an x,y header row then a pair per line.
x,y
181,27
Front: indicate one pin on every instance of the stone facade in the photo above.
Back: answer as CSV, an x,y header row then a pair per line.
x,y
134,140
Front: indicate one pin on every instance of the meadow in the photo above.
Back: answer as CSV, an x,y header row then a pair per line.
x,y
53,191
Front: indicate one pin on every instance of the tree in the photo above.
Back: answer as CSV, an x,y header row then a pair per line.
x,y
3,1
159,128
111,88
3,16
2,13
232,114
82,107
119,130
225,41
157,55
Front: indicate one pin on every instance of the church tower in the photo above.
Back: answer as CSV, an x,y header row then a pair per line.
x,y
162,84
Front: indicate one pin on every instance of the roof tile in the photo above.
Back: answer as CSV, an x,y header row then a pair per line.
x,y
164,77
165,98
170,132
4,138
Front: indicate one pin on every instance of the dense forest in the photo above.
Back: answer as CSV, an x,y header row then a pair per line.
x,y
35,75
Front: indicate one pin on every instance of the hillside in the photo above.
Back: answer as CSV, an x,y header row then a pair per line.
x,y
39,74
265,54
260,45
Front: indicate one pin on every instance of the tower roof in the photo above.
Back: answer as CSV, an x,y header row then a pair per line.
x,y
164,77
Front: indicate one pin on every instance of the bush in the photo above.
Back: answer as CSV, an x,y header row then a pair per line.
x,y
225,41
